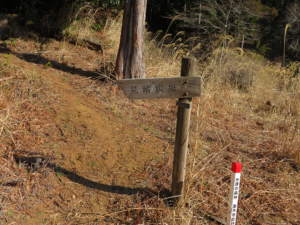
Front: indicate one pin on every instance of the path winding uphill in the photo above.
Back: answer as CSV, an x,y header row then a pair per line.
x,y
96,154
102,156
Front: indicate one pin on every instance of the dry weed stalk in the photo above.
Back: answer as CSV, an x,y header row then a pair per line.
x,y
244,113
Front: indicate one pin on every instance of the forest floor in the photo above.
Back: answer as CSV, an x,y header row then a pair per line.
x,y
74,150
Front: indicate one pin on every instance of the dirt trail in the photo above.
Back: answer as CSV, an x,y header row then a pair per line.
x,y
100,157
97,141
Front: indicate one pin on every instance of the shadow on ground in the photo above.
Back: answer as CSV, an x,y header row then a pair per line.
x,y
102,187
38,59
39,163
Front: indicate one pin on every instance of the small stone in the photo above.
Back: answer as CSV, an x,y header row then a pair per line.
x,y
73,196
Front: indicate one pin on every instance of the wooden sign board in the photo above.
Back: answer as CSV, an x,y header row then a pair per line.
x,y
185,88
167,87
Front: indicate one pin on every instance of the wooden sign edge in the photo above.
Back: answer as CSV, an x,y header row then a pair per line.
x,y
158,78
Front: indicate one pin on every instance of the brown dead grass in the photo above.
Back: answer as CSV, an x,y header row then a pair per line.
x,y
27,132
249,113
256,124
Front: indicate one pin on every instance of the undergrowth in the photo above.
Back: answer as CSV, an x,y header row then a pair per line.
x,y
248,112
25,127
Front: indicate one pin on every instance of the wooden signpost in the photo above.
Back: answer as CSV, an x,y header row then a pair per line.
x,y
154,88
184,88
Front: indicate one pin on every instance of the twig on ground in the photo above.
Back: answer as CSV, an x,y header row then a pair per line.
x,y
7,78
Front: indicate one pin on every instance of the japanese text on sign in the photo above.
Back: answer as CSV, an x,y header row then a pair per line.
x,y
158,88
165,87
233,213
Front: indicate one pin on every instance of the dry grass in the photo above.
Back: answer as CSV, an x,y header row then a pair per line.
x,y
81,21
248,112
27,136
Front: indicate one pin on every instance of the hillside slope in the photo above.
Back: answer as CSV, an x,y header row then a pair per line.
x,y
74,150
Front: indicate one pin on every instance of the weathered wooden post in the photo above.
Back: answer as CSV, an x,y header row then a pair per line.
x,y
182,130
184,88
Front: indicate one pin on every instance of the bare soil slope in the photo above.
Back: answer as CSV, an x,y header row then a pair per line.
x,y
96,157
74,150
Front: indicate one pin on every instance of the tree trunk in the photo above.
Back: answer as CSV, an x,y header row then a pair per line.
x,y
130,60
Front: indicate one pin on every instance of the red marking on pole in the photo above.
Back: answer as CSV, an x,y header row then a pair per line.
x,y
236,167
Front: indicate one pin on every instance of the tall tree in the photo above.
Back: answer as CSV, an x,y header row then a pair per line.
x,y
130,60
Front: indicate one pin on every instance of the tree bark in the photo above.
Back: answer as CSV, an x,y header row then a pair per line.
x,y
130,60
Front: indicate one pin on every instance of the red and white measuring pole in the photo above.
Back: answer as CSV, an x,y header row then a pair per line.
x,y
234,192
